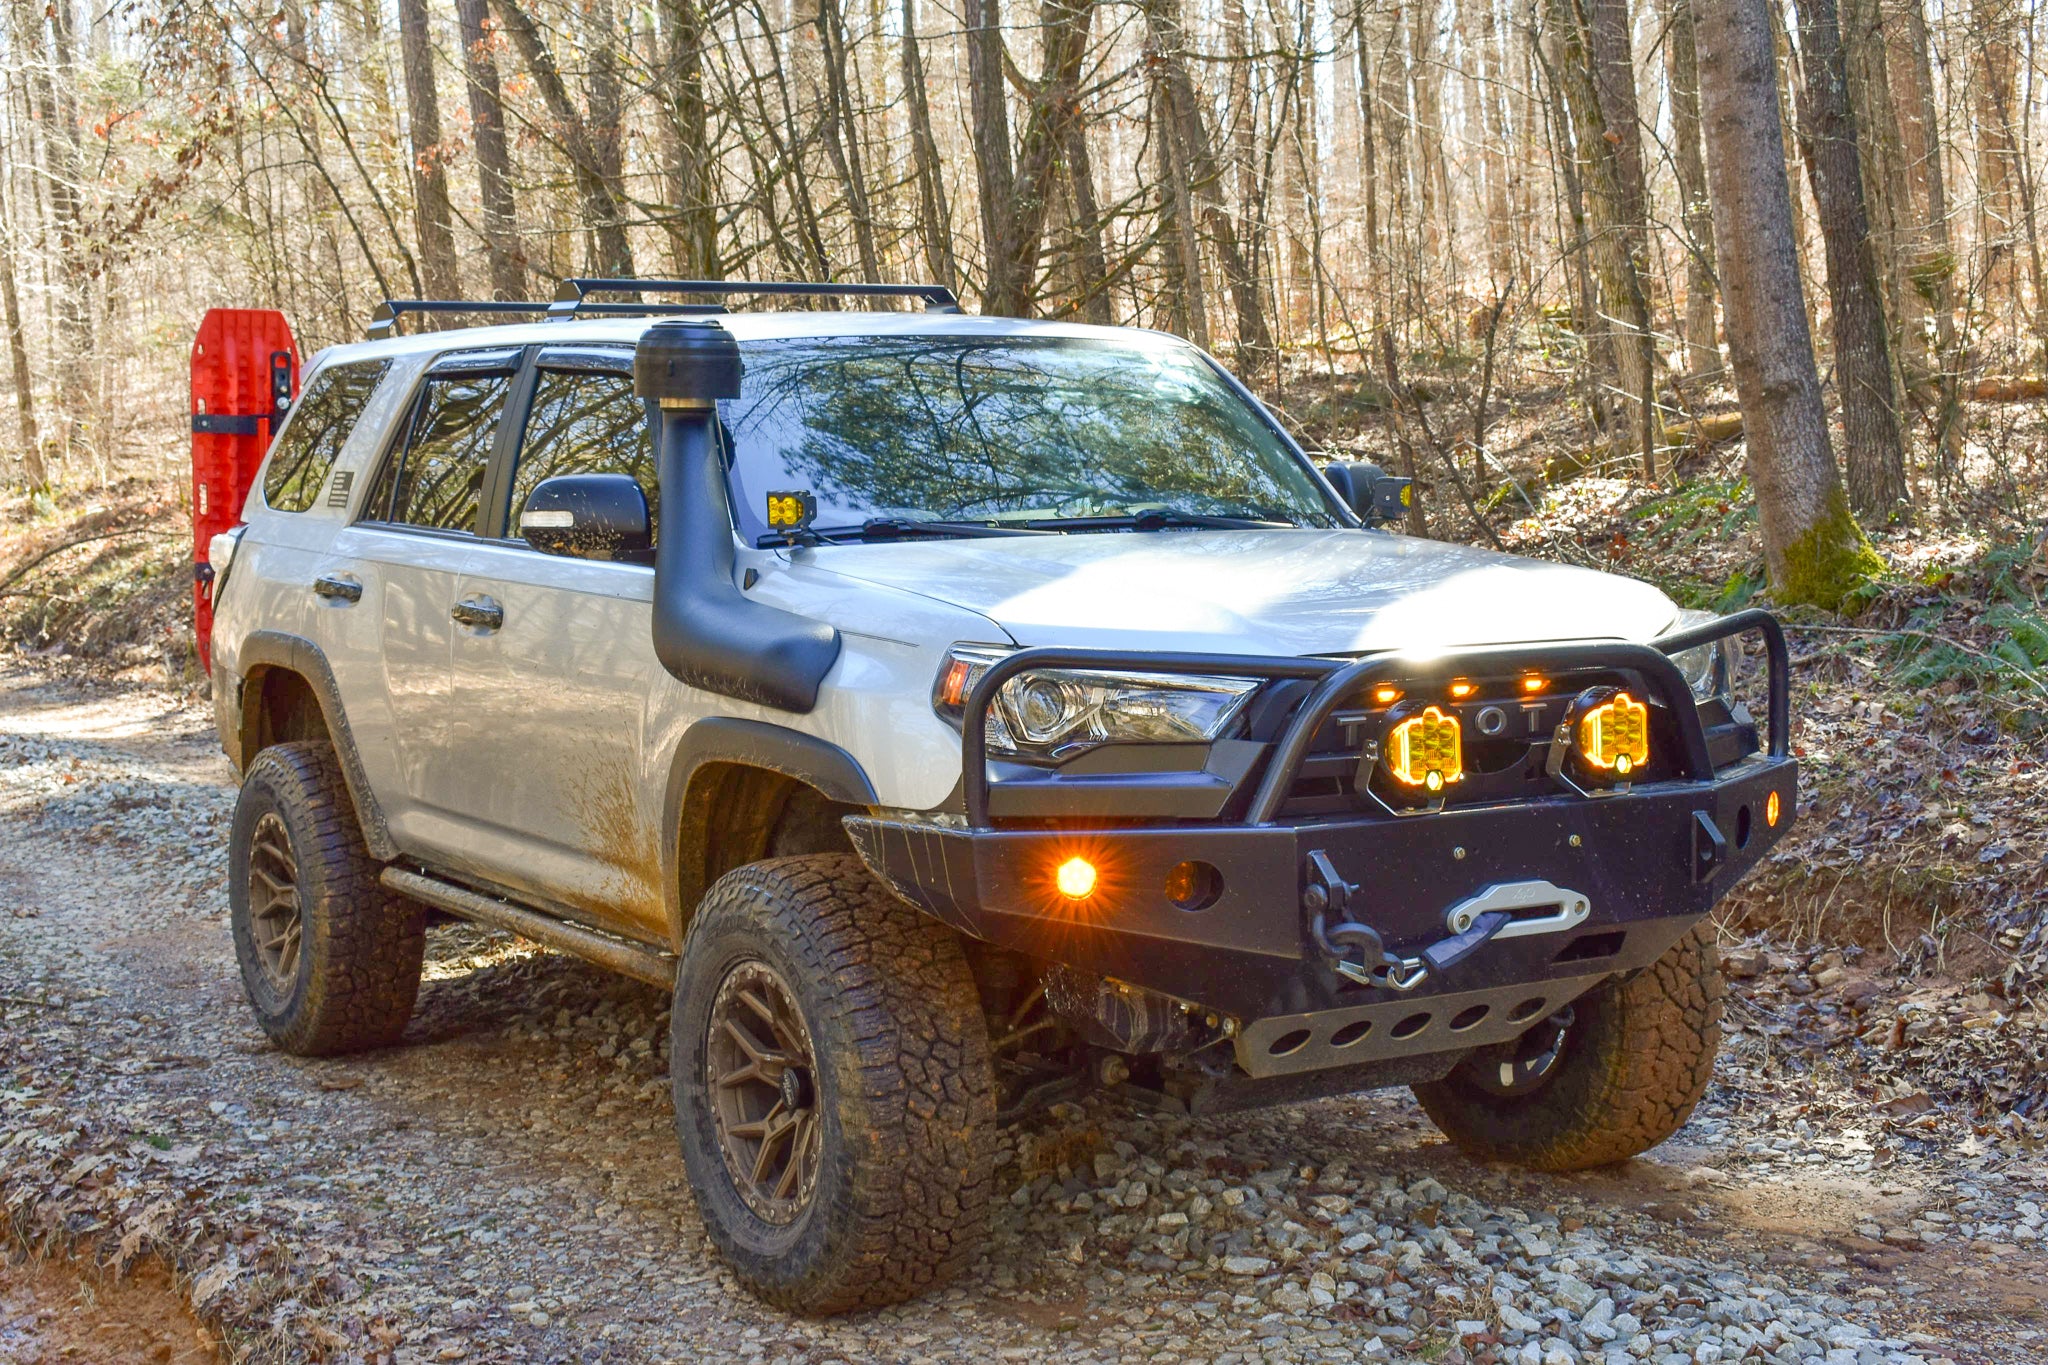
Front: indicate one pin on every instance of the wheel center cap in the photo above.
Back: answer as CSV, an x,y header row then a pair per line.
x,y
796,1088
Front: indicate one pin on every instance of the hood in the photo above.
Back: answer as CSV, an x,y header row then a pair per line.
x,y
1283,592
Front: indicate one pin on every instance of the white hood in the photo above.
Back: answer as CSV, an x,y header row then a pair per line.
x,y
1258,592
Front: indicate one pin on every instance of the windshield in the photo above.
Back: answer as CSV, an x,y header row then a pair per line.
x,y
1009,431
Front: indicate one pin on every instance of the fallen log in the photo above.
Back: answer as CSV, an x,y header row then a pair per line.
x,y
2009,388
1687,433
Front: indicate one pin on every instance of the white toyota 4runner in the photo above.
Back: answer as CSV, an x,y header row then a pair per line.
x,y
954,712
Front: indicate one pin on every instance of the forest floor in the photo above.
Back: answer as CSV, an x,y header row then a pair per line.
x,y
1864,1183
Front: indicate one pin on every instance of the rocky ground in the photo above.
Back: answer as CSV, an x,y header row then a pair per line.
x,y
506,1186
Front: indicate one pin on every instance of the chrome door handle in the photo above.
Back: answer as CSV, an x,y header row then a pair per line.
x,y
481,612
338,589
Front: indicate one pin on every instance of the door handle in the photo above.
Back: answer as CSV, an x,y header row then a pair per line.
x,y
338,589
481,612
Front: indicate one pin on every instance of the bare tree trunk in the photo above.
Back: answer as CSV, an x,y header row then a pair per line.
x,y
1592,63
989,116
1482,31
493,163
1425,75
1995,62
1867,59
1863,364
1932,266
1095,301
33,471
687,157
1167,44
433,218
1696,215
1187,310
593,160
842,137
933,213
62,167
1813,549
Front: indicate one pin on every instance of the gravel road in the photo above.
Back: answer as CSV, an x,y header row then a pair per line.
x,y
506,1186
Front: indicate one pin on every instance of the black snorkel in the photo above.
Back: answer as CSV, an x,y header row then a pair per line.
x,y
706,631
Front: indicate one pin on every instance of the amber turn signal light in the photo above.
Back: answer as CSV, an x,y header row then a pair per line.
x,y
1614,736
1426,751
1075,878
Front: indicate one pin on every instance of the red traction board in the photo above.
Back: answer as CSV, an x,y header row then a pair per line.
x,y
245,376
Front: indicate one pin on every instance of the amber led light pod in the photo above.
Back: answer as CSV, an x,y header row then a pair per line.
x,y
1426,750
1614,736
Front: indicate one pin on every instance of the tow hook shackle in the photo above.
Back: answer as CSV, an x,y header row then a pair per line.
x,y
1357,952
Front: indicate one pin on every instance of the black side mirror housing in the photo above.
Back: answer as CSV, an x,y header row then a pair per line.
x,y
589,516
1377,496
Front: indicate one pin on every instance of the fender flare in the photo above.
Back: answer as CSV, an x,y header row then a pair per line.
x,y
266,649
817,763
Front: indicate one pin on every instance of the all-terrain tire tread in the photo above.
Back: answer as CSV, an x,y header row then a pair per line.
x,y
366,945
1637,1068
919,1071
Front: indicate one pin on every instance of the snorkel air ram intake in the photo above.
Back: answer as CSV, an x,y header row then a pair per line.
x,y
706,631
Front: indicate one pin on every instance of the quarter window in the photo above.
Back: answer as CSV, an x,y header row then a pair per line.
x,y
585,422
305,452
437,479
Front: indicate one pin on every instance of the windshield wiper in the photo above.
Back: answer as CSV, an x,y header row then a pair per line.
x,y
1157,519
890,528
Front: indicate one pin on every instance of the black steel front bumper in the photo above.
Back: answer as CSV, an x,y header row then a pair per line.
x,y
1631,872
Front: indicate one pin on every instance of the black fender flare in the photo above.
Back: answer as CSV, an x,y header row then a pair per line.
x,y
817,763
265,649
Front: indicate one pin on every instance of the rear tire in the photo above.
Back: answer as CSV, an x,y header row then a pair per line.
x,y
330,960
841,1151
1634,1061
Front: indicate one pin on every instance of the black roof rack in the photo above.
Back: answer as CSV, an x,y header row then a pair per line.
x,y
570,295
384,322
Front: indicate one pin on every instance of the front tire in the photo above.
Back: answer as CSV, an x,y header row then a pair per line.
x,y
330,960
833,1091
1625,1075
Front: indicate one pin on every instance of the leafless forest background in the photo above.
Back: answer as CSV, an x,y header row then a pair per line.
x,y
1506,197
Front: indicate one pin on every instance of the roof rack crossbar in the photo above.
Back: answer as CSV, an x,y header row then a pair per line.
x,y
570,294
384,322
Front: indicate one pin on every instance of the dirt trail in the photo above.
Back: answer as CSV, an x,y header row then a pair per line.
x,y
54,1311
506,1185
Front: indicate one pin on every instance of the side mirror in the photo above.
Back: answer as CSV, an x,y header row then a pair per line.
x,y
588,516
1374,494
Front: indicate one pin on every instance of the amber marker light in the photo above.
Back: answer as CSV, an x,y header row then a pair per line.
x,y
1615,735
1462,688
953,689
1426,751
1534,683
1075,878
1386,694
1771,810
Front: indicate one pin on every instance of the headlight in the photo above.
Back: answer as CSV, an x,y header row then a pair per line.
x,y
1057,712
1705,666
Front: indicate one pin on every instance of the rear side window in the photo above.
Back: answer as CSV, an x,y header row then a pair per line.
x,y
327,413
585,422
436,479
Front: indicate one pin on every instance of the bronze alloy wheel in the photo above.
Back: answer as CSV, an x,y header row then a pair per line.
x,y
276,913
762,1075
